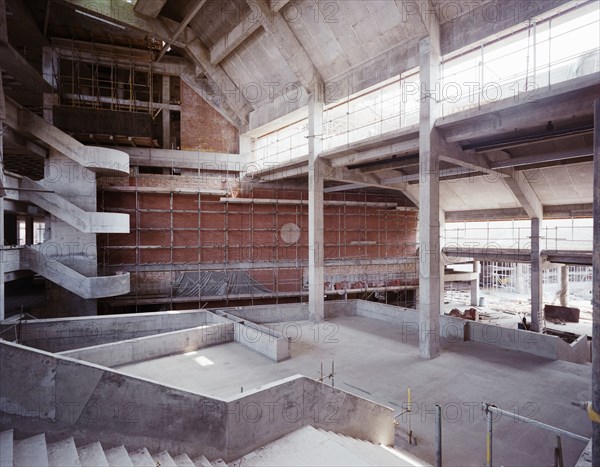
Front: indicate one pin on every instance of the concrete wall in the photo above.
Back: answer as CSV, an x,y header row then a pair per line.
x,y
59,334
261,339
576,352
154,346
457,329
65,397
262,314
531,342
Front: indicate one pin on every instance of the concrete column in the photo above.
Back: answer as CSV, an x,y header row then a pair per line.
x,y
521,286
475,284
2,299
166,114
29,230
316,265
564,285
430,280
596,289
537,297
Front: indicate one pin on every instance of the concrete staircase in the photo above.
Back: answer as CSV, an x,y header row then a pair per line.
x,y
33,259
310,446
36,452
84,221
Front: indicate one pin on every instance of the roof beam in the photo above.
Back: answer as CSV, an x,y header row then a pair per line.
x,y
150,8
276,5
288,45
454,154
214,99
368,155
542,158
189,17
346,187
343,174
227,88
523,191
230,41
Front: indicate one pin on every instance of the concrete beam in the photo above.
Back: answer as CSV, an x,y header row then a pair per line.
x,y
570,99
150,8
276,5
226,87
378,153
186,20
566,211
230,41
152,157
542,158
289,46
479,22
523,191
213,96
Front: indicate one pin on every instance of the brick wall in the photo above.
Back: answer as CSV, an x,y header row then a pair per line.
x,y
203,128
174,232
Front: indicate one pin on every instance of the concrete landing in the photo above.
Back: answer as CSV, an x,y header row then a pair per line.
x,y
376,361
311,447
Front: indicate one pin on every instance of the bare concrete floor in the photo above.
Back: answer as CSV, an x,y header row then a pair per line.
x,y
374,360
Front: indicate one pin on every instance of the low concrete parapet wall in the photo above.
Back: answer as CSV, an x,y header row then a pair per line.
x,y
458,329
60,334
64,397
154,346
575,352
268,342
261,314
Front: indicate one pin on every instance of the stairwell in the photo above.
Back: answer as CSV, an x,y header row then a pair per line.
x,y
35,451
67,193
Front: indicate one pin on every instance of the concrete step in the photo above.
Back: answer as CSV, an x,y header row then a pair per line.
x,y
92,455
202,462
30,452
164,459
6,448
118,457
183,460
218,463
141,458
63,454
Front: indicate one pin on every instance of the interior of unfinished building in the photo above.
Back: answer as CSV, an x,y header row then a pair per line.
x,y
299,232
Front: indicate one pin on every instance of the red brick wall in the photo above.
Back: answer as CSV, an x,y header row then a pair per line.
x,y
203,128
190,229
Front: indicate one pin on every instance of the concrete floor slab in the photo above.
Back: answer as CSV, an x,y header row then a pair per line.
x,y
376,361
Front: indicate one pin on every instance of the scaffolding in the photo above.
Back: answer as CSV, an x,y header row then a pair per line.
x,y
182,244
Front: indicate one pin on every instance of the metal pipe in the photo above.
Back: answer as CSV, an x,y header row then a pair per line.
x,y
492,409
438,435
488,444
